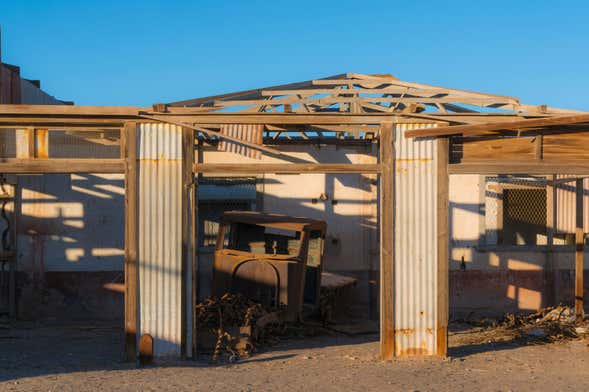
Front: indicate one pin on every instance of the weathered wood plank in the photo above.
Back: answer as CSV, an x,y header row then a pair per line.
x,y
131,288
287,168
387,262
187,234
500,149
545,167
51,166
471,130
443,247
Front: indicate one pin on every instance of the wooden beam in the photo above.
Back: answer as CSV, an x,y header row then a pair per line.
x,y
579,250
195,216
54,110
282,118
129,148
287,168
387,262
443,179
480,129
247,93
214,133
52,166
522,167
187,234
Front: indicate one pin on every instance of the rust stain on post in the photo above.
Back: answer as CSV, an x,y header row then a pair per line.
x,y
41,143
414,352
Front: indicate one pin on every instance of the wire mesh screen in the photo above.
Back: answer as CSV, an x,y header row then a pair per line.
x,y
524,216
516,210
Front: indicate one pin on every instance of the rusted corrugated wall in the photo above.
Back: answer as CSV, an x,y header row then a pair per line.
x,y
159,149
415,243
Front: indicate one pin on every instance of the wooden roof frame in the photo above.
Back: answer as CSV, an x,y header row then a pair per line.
x,y
362,93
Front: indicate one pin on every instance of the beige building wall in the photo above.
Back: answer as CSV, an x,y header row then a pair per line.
x,y
490,277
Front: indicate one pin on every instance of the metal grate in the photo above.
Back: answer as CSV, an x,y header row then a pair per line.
x,y
524,216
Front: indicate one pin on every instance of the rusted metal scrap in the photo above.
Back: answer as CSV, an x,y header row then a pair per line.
x,y
238,324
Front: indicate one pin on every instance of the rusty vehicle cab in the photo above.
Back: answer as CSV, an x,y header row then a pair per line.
x,y
272,259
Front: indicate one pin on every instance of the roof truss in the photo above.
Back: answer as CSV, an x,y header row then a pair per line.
x,y
359,93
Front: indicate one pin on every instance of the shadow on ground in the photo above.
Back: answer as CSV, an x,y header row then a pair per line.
x,y
48,348
467,340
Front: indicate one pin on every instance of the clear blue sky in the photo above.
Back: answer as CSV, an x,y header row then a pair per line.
x,y
138,53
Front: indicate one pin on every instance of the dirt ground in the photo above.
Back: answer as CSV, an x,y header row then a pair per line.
x,y
87,358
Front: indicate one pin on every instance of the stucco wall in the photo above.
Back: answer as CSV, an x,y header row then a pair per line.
x,y
489,278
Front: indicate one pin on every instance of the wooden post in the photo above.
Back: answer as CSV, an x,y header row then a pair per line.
x,y
196,247
129,152
387,210
579,251
41,143
187,242
443,151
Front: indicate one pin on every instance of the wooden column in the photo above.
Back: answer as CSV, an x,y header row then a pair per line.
x,y
579,251
187,237
443,150
387,210
198,158
129,153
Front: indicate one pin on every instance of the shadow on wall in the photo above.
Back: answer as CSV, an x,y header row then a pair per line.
x,y
508,268
70,241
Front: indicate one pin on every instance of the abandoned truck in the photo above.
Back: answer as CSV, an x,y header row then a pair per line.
x,y
273,259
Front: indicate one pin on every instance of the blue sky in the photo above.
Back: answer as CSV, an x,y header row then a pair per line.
x,y
138,53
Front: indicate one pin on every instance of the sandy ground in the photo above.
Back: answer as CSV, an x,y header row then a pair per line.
x,y
51,358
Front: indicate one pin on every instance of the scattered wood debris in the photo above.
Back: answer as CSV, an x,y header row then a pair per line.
x,y
550,324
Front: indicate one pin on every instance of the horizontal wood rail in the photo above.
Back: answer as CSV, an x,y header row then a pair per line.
x,y
524,167
288,168
61,166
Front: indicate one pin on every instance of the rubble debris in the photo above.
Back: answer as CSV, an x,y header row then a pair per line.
x,y
237,324
546,325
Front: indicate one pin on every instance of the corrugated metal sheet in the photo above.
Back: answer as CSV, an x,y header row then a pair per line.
x,y
416,263
159,148
566,205
249,132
